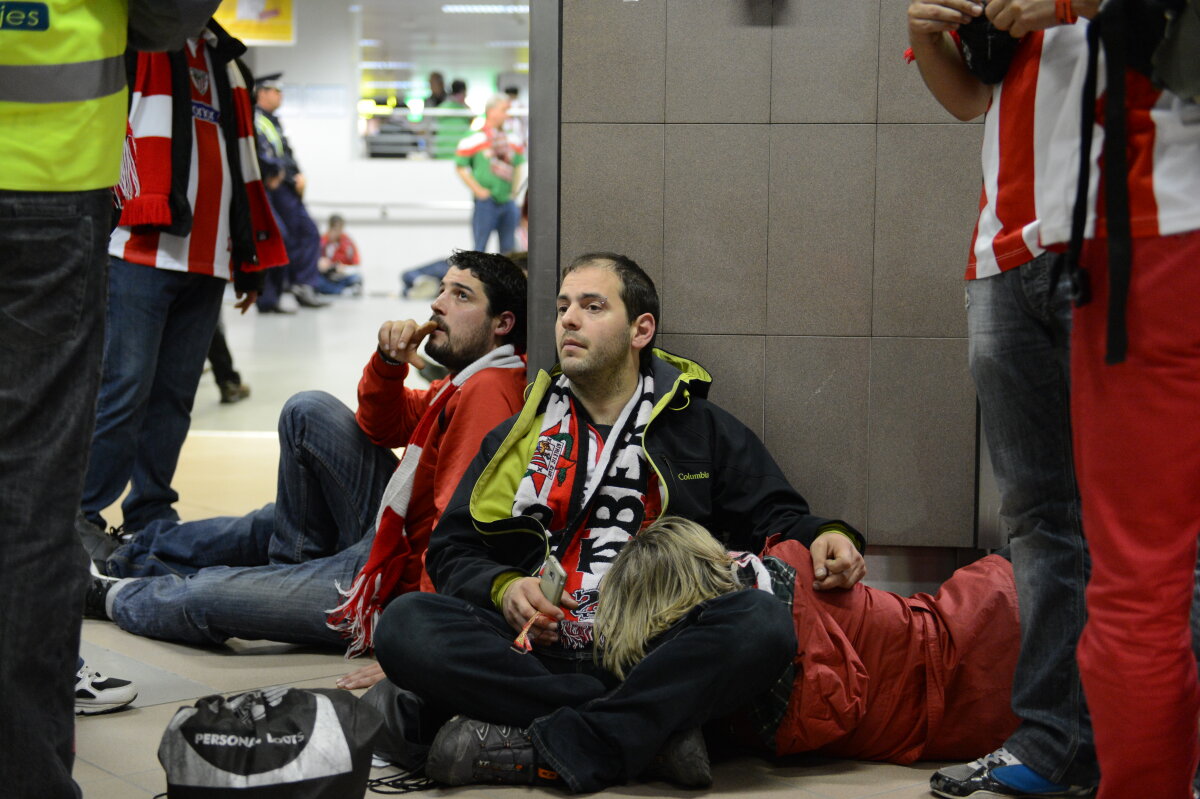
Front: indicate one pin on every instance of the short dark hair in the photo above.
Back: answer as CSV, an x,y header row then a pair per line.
x,y
503,284
457,86
337,219
637,289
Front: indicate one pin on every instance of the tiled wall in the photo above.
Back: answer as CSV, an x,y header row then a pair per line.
x,y
805,208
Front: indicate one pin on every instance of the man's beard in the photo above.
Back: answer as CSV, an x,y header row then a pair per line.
x,y
459,350
601,363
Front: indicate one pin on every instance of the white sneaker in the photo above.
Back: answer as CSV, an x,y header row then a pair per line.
x,y
95,693
425,287
307,296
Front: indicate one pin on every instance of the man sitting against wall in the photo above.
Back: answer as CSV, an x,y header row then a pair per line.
x,y
346,516
622,434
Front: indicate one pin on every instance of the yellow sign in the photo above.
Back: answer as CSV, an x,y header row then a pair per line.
x,y
258,21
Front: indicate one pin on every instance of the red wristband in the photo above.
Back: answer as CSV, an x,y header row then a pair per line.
x,y
1063,12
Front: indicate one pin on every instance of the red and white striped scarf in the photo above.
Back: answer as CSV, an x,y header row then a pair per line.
x,y
150,123
382,576
592,495
157,116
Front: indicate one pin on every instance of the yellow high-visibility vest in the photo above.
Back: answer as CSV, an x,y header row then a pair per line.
x,y
63,99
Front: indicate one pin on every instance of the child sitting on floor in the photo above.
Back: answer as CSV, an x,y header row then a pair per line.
x,y
339,260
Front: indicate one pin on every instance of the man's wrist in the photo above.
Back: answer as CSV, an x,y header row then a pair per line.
x,y
391,364
389,360
840,530
500,586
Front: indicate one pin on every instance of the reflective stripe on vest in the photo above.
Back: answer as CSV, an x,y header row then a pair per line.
x,y
62,93
267,128
62,83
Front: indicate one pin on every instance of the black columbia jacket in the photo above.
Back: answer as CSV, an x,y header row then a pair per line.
x,y
715,471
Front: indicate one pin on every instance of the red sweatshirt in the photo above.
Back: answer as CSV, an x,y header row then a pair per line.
x,y
388,412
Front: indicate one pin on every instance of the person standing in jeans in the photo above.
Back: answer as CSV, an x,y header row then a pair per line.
x,y
1019,330
201,220
487,162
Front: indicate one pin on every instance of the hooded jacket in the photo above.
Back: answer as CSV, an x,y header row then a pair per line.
x,y
878,676
712,469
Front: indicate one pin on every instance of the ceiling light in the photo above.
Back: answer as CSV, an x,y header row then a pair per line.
x,y
385,65
515,43
463,8
370,42
390,84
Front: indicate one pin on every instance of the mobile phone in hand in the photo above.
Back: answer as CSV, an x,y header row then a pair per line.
x,y
553,578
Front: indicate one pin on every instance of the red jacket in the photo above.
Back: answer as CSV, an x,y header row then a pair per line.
x,y
885,677
388,412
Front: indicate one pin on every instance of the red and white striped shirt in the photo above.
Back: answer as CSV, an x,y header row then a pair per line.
x,y
1031,155
1163,133
206,250
1016,133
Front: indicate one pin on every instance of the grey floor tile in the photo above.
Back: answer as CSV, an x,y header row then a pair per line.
x,y
156,686
114,788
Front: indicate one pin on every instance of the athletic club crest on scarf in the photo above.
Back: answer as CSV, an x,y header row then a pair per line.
x,y
591,493
546,455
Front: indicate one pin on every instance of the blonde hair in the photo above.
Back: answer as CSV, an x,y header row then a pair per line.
x,y
660,574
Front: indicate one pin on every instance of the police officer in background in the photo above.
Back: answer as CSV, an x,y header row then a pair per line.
x,y
302,274
63,104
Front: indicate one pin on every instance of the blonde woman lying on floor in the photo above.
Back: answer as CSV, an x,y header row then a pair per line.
x,y
876,676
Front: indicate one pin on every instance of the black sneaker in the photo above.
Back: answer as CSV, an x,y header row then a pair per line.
x,y
469,752
682,761
95,693
97,594
982,778
233,391
97,543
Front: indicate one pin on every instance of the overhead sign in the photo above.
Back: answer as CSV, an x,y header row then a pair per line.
x,y
258,21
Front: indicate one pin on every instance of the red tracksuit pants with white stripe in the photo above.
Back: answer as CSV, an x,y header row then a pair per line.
x,y
1137,453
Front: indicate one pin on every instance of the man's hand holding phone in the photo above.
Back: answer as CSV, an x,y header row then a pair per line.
x,y
527,597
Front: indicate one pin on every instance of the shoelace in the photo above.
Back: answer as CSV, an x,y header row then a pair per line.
x,y
88,676
404,782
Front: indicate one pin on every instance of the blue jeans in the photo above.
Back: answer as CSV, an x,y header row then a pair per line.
x,y
436,269
277,602
160,324
271,573
52,284
326,285
591,729
501,217
1019,326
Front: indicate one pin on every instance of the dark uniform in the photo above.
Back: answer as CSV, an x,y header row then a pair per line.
x,y
300,233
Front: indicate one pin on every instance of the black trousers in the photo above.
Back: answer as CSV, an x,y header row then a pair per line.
x,y
53,269
594,730
221,359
